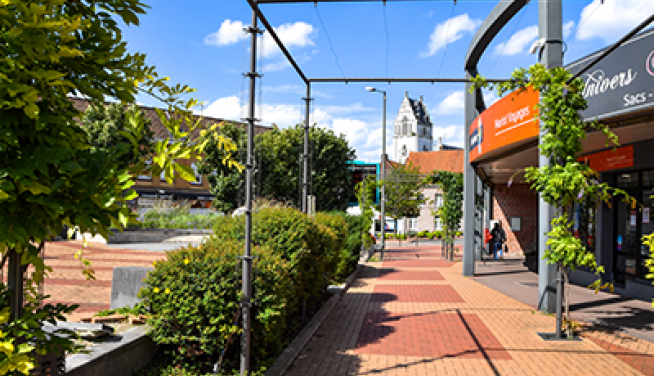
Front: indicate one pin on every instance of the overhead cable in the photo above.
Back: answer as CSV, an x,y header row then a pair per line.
x,y
328,40
515,28
447,33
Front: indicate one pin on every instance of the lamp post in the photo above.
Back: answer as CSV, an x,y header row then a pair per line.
x,y
383,171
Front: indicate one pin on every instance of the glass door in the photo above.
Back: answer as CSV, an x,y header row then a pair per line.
x,y
646,215
627,242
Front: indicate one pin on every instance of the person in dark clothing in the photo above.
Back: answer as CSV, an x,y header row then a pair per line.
x,y
498,237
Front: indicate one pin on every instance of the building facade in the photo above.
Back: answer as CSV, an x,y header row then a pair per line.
x,y
413,129
503,140
154,190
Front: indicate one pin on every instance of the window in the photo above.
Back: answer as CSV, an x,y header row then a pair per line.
x,y
424,148
404,151
198,176
413,224
146,175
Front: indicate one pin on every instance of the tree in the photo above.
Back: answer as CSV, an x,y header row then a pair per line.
x,y
227,183
279,164
402,191
451,211
50,176
565,181
105,127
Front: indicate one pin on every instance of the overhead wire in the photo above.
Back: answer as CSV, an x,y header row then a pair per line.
x,y
329,40
387,37
447,32
515,28
583,21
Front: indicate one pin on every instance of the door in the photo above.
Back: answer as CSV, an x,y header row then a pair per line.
x,y
627,240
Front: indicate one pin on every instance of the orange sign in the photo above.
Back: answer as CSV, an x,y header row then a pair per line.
x,y
510,120
610,159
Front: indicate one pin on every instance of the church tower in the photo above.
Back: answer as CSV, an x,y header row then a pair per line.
x,y
413,129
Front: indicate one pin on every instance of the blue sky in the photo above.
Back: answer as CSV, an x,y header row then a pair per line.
x,y
201,43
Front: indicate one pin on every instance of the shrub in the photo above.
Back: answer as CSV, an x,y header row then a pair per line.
x,y
334,230
350,258
422,234
411,233
403,236
193,301
177,218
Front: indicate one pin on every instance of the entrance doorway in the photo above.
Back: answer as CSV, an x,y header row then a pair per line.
x,y
631,223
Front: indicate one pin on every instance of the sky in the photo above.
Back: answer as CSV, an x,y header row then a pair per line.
x,y
201,43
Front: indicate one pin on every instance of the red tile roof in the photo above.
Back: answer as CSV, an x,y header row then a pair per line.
x,y
442,160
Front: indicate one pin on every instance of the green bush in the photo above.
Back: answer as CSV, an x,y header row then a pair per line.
x,y
350,256
403,236
422,234
193,301
177,218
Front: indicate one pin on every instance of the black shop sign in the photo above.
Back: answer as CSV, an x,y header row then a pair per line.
x,y
622,82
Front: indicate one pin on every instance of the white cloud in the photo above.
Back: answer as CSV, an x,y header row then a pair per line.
x,y
567,29
519,42
365,137
613,19
295,89
298,34
449,32
451,134
452,104
230,32
227,108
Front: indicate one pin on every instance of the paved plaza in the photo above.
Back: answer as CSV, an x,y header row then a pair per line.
x,y
415,314
67,285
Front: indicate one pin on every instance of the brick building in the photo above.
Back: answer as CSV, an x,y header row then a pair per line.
x,y
155,189
503,140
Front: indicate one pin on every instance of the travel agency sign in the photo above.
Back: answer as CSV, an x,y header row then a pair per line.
x,y
621,82
511,121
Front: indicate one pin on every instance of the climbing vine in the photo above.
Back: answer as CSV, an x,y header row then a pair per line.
x,y
365,192
451,211
565,181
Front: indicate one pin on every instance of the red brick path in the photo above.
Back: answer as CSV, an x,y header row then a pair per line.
x,y
438,335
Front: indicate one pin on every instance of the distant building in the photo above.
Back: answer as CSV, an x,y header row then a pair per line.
x,y
153,190
413,129
447,158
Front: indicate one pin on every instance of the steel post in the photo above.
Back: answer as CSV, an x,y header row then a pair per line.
x,y
247,257
383,177
305,178
550,28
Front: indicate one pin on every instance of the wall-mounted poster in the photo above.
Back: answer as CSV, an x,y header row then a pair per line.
x,y
646,215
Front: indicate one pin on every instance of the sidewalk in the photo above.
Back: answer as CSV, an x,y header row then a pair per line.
x,y
415,314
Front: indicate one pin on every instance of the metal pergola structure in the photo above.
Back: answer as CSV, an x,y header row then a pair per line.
x,y
254,31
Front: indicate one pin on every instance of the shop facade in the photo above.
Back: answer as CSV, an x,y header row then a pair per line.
x,y
503,140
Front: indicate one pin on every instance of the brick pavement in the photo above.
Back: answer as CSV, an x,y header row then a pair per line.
x,y
66,284
415,331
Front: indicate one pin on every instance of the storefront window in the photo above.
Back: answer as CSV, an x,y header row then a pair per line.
x,y
628,180
585,224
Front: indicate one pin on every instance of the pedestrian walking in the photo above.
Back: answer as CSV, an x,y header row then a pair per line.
x,y
498,237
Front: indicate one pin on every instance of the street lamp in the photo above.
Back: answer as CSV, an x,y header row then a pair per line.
x,y
383,171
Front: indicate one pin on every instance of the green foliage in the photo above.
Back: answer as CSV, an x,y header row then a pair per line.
x,y
451,211
107,128
177,218
227,183
351,249
365,197
278,153
402,191
193,300
422,234
50,176
298,239
564,181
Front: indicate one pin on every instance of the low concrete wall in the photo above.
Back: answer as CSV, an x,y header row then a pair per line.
x,y
130,351
144,236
